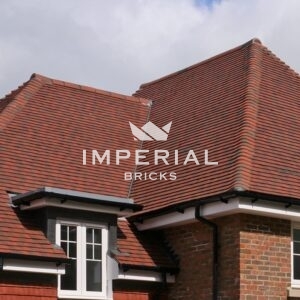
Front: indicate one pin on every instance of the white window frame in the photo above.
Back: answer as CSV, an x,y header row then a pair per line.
x,y
294,282
81,292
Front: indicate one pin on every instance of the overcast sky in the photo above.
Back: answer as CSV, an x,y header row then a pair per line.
x,y
118,44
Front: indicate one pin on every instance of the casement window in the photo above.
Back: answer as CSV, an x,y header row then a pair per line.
x,y
296,255
86,247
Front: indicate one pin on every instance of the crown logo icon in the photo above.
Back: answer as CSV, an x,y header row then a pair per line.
x,y
150,132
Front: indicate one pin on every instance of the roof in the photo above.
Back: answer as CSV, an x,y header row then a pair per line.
x,y
243,106
21,235
47,125
142,249
44,127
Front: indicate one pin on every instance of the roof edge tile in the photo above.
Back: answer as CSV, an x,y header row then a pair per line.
x,y
252,41
17,99
86,88
250,111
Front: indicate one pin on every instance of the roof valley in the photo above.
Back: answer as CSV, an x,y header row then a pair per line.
x,y
250,111
140,147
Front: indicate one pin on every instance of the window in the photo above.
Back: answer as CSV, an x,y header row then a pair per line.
x,y
296,255
86,247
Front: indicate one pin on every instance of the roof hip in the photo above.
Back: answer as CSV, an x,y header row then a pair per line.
x,y
250,111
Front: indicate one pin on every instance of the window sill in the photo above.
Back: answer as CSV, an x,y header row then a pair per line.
x,y
293,291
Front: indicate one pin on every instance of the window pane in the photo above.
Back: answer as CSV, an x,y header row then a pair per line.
x,y
297,247
64,245
97,236
68,281
89,235
93,276
296,234
97,254
296,267
89,251
72,250
72,233
69,244
64,232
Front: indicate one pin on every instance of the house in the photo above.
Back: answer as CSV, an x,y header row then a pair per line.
x,y
189,189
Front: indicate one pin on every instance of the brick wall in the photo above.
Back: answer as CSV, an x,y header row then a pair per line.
x,y
228,276
26,286
123,295
131,296
192,244
254,259
138,290
265,258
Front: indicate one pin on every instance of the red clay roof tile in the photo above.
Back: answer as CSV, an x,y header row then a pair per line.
x,y
141,249
44,126
243,106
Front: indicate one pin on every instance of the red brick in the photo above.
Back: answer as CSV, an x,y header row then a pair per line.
x,y
256,273
29,287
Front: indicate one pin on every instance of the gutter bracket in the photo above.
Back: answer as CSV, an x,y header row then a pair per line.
x,y
223,200
180,210
254,200
288,205
62,201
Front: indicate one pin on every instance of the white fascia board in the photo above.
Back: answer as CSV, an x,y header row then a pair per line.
x,y
21,265
188,216
144,275
219,209
46,202
168,220
270,209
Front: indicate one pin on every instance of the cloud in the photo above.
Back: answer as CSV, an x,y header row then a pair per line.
x,y
117,45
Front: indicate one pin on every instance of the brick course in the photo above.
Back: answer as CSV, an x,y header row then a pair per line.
x,y
27,286
265,268
254,259
193,245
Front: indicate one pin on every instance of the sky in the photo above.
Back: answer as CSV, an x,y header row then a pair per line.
x,y
117,45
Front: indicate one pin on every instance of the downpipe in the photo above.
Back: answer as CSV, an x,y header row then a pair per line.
x,y
214,228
